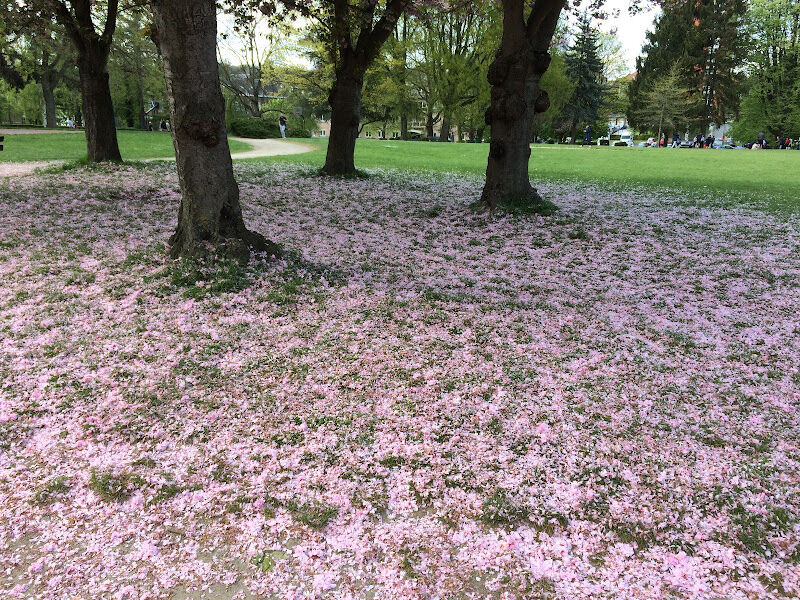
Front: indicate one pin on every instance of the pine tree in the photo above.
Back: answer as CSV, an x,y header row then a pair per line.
x,y
585,68
704,39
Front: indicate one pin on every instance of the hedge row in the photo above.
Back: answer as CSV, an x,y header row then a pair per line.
x,y
251,127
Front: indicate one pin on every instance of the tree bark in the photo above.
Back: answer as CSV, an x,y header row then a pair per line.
x,y
48,93
444,136
345,102
98,109
210,216
404,128
429,126
515,98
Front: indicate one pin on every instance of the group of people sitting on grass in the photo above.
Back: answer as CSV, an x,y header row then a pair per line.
x,y
781,143
699,141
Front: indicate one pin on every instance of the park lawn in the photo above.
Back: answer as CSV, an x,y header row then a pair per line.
x,y
772,177
134,145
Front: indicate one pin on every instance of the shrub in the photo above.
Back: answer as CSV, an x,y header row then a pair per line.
x,y
297,131
250,127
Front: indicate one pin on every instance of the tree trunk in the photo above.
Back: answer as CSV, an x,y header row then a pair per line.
x,y
345,102
142,117
98,110
444,136
515,99
210,216
48,93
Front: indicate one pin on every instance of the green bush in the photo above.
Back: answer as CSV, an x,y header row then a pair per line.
x,y
250,127
297,131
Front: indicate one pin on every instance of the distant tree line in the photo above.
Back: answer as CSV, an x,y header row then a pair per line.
x,y
711,62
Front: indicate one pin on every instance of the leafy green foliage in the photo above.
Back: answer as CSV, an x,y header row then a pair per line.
x,y
252,127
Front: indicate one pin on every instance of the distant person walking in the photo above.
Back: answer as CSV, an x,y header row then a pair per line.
x,y
70,123
587,135
282,122
762,140
676,140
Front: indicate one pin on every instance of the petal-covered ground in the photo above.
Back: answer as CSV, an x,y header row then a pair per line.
x,y
417,402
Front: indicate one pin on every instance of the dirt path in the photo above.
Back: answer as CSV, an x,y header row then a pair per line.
x,y
33,130
258,149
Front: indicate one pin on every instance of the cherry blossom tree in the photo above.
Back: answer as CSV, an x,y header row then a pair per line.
x,y
516,97
210,216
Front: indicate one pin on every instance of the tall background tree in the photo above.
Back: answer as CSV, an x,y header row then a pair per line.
x,y
90,26
135,70
665,105
246,50
705,39
354,33
772,101
458,44
587,71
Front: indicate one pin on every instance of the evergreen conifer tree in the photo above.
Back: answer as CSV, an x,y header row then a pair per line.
x,y
585,68
705,40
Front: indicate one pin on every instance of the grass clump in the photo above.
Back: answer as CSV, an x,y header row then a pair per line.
x,y
114,487
501,509
755,530
314,513
51,491
212,276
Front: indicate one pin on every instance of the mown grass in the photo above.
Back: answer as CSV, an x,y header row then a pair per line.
x,y
134,145
772,177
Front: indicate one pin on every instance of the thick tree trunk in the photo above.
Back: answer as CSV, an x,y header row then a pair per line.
x,y
48,93
210,216
404,128
345,102
429,126
444,136
98,110
515,99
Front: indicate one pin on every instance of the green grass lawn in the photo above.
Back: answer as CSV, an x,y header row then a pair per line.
x,y
771,175
134,145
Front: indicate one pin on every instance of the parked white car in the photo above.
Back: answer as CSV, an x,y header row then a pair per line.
x,y
621,138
